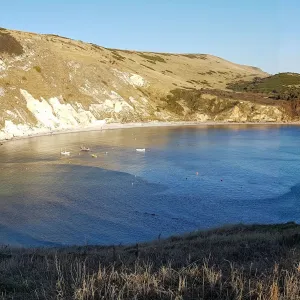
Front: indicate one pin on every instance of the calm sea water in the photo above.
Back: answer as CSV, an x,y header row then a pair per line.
x,y
189,178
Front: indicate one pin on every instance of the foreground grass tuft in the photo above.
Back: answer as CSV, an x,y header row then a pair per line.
x,y
234,262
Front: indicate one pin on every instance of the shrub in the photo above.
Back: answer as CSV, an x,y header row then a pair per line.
x,y
153,58
117,56
190,55
211,72
96,47
38,69
147,67
169,71
194,56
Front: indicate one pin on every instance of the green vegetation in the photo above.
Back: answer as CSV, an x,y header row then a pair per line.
x,y
211,72
191,97
58,36
152,58
205,82
285,86
195,99
231,263
172,105
117,56
96,47
147,67
167,54
120,50
9,45
38,69
202,56
151,62
193,56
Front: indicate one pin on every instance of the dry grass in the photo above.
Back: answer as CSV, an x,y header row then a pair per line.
x,y
238,262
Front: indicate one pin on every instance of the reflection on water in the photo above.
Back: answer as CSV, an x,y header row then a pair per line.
x,y
190,177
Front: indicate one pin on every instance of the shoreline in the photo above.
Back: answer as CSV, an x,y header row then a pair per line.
x,y
113,126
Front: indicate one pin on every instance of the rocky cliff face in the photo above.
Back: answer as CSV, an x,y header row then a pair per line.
x,y
50,83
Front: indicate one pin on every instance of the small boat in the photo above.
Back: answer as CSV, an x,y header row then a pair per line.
x,y
140,149
65,153
86,149
94,155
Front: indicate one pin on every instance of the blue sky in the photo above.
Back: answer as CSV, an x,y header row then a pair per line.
x,y
262,33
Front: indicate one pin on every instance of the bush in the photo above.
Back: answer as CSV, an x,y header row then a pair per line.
x,y
38,69
152,58
117,56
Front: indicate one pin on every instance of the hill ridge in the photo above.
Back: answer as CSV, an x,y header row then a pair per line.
x,y
50,83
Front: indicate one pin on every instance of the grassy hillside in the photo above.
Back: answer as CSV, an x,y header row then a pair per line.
x,y
284,86
53,83
234,262
50,83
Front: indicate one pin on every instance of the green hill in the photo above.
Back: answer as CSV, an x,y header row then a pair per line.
x,y
284,86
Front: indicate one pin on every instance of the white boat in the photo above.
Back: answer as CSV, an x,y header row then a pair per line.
x,y
65,153
82,148
140,149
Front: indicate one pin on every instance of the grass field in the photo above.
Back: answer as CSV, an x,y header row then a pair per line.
x,y
233,262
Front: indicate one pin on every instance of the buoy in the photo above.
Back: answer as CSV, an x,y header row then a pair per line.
x,y
197,173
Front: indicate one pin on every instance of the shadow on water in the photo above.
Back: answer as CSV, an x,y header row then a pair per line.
x,y
83,204
87,205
